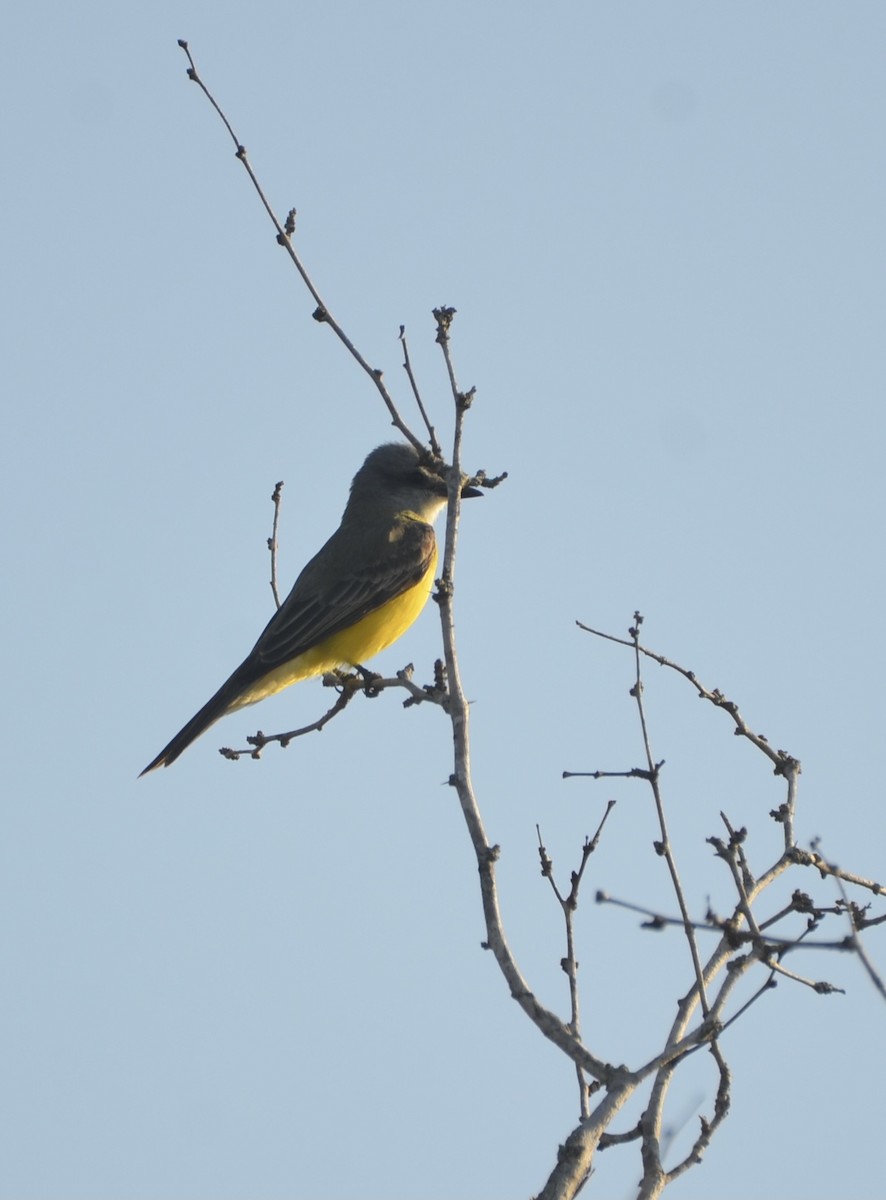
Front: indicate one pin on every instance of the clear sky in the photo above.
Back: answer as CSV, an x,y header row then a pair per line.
x,y
662,227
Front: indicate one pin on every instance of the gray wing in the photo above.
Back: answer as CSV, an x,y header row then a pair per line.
x,y
336,594
346,581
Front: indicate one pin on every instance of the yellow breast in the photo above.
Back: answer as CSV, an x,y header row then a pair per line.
x,y
349,647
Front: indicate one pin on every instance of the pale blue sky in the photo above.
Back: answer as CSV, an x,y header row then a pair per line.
x,y
662,227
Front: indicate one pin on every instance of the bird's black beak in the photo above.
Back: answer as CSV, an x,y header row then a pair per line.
x,y
468,493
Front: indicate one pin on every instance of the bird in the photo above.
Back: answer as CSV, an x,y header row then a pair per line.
x,y
356,596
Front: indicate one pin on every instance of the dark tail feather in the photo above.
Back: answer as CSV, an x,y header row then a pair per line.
x,y
199,723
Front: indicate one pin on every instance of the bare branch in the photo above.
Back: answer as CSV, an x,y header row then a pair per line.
x,y
486,854
285,234
722,1103
407,365
366,682
575,1157
783,762
811,858
873,974
259,740
664,848
633,773
272,540
569,964
817,985
857,920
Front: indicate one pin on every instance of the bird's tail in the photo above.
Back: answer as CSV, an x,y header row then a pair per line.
x,y
211,711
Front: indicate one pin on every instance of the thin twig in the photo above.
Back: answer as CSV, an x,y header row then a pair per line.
x,y
407,364
817,985
368,683
738,937
728,854
568,905
722,1102
664,848
272,540
873,974
656,920
811,858
857,944
284,238
259,740
633,773
782,761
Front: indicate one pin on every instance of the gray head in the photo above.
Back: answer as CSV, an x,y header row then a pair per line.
x,y
396,476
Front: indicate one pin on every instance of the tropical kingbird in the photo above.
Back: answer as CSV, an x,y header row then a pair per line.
x,y
354,598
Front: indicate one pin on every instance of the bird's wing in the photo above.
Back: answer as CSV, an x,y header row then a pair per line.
x,y
346,581
327,600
